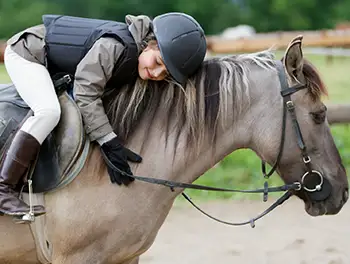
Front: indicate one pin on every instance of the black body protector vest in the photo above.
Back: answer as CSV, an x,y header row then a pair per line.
x,y
68,39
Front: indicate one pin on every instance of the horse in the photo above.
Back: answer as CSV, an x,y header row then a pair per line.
x,y
230,103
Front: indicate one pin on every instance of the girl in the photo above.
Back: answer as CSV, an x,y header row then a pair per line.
x,y
98,53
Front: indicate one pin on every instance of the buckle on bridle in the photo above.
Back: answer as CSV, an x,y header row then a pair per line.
x,y
307,159
298,186
290,105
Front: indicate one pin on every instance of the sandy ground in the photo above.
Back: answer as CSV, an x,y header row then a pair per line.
x,y
286,236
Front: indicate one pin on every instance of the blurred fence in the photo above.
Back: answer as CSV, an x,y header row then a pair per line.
x,y
2,49
338,114
321,38
279,40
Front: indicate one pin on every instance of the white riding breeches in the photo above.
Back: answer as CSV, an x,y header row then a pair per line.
x,y
34,85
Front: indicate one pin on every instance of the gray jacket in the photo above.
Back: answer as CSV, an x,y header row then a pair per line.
x,y
92,72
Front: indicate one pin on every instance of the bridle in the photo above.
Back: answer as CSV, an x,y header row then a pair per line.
x,y
312,182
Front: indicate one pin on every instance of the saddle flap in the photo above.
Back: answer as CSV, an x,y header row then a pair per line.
x,y
7,128
59,151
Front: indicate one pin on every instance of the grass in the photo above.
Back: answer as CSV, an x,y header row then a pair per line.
x,y
242,169
3,75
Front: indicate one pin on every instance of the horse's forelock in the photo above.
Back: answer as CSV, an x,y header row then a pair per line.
x,y
317,87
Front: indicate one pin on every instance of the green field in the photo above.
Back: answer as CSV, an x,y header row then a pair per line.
x,y
241,169
3,75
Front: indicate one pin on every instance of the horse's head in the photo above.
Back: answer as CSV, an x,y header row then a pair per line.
x,y
309,153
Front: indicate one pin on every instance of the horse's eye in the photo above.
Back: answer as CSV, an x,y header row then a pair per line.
x,y
319,117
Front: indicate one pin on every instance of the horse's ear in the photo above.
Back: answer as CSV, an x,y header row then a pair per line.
x,y
293,58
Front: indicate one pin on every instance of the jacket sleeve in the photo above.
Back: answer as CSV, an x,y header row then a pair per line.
x,y
91,76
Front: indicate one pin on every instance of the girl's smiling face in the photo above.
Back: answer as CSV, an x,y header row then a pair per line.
x,y
151,65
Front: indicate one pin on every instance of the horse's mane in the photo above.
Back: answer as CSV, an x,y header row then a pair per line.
x,y
195,108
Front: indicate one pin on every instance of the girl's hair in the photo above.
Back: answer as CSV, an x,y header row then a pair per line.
x,y
150,36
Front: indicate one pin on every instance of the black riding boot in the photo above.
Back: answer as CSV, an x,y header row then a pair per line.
x,y
22,151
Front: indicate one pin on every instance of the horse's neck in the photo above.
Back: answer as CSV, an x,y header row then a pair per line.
x,y
158,157
159,160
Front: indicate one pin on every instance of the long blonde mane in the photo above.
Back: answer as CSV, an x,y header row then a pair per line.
x,y
196,107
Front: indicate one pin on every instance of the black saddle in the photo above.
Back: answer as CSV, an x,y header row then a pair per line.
x,y
63,152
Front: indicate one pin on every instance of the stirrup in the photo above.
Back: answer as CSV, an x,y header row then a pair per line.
x,y
24,219
28,217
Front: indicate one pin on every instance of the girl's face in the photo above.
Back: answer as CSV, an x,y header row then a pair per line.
x,y
151,65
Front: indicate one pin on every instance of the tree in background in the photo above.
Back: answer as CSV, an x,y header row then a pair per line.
x,y
16,15
214,16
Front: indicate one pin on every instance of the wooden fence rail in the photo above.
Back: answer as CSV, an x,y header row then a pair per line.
x,y
338,114
2,49
278,40
262,41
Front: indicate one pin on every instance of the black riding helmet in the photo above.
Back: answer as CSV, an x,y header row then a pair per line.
x,y
182,44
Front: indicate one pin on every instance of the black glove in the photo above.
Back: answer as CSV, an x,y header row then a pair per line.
x,y
118,155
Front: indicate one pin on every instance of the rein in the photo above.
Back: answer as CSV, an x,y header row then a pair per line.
x,y
173,184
